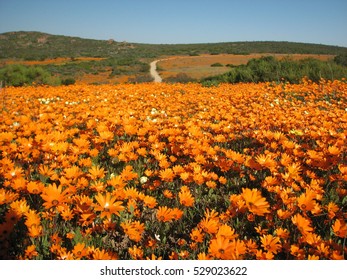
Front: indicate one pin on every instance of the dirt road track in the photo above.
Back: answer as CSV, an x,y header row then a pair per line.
x,y
154,73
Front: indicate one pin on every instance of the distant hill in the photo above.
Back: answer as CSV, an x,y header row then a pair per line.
x,y
39,46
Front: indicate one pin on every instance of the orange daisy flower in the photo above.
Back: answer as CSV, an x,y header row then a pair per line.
x,y
282,233
209,225
107,205
270,243
303,224
332,210
96,172
101,254
265,161
203,256
227,232
196,235
186,197
33,219
136,253
79,250
176,213
30,252
306,200
255,203
164,214
46,171
133,229
168,194
87,219
35,231
239,248
128,174
220,248
35,187
53,196
150,201
340,228
167,175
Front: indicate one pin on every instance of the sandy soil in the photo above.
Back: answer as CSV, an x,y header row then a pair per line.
x,y
154,73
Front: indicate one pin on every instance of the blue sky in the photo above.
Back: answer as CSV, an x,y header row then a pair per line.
x,y
182,21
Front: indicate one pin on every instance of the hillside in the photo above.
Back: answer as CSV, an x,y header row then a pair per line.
x,y
63,59
37,45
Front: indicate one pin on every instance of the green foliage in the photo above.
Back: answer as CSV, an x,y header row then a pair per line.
x,y
193,53
38,46
341,60
179,78
19,75
217,64
140,79
68,81
267,69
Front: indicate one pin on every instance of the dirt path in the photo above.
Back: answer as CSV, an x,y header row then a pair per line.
x,y
154,73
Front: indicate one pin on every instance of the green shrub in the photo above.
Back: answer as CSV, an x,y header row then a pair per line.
x,y
140,79
217,64
68,81
268,69
19,75
341,60
179,78
193,53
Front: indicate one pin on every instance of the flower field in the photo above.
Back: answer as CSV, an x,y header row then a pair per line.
x,y
174,171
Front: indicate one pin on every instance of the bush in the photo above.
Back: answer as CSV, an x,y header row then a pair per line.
x,y
193,53
68,81
217,64
341,60
179,78
19,75
140,79
268,69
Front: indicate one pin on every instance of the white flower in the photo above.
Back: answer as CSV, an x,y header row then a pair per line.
x,y
143,179
157,236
